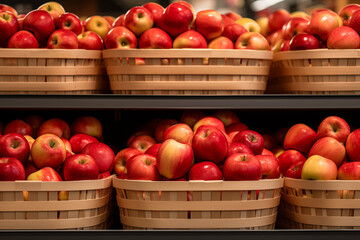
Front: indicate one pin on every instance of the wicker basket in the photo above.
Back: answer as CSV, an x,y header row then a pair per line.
x,y
36,204
187,71
320,71
310,204
52,71
198,204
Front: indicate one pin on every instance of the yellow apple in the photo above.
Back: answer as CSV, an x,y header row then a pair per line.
x,y
250,24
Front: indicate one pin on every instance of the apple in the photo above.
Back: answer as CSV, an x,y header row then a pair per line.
x,y
264,25
277,19
34,121
46,174
221,43
180,132
11,169
209,23
249,24
294,26
90,40
18,126
55,126
14,145
40,23
238,147
110,19
319,168
236,127
353,145
270,142
280,134
349,171
294,171
205,171
142,143
343,38
251,139
120,37
191,116
252,40
103,155
80,167
267,152
155,38
55,9
289,157
231,136
104,175
97,24
142,167
211,121
161,127
330,148
277,151
233,15
300,137
209,144
347,11
4,7
156,10
69,21
233,31
334,126
304,41
275,37
269,166
30,168
119,21
48,150
190,39
355,21
8,26
63,39
242,166
285,45
227,20
121,158
174,159
153,150
322,23
20,19
138,133
176,19
228,117
80,140
89,125
138,19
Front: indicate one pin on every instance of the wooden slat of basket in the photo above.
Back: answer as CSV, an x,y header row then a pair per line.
x,y
319,71
49,53
317,54
56,70
322,184
51,86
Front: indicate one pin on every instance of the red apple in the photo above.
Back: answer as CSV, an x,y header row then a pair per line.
x,y
48,150
80,167
20,19
355,21
55,9
155,38
176,19
319,168
90,40
236,127
4,7
300,137
89,125
304,41
138,19
104,175
294,26
14,145
347,11
288,158
40,23
205,171
251,139
267,152
343,38
69,21
18,126
174,159
180,132
322,23
119,21
242,166
228,117
161,127
335,127
231,136
353,145
23,39
349,171
142,143
227,20
8,26
190,39
269,141
80,140
34,121
285,45
209,23
63,39
136,134
120,37
277,19
30,168
209,144
294,171
103,155
330,148
46,174
121,158
97,24
142,167
153,150
238,147
277,151
269,166
252,40
233,31
11,169
55,126
156,10
211,121
191,116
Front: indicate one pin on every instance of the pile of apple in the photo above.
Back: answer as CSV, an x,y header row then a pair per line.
x,y
199,146
323,28
54,150
51,27
333,152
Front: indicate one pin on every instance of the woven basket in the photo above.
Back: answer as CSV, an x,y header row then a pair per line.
x,y
315,204
187,71
36,204
52,71
198,204
320,71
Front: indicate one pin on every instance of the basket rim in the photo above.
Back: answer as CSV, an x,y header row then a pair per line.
x,y
322,184
50,53
317,54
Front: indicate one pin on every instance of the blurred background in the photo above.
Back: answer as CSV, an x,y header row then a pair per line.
x,y
246,8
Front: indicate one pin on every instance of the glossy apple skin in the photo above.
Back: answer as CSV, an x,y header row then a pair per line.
x,y
119,21
349,171
18,126
90,40
48,150
23,39
103,155
180,132
251,139
205,171
353,145
242,167
269,166
11,169
161,127
80,167
209,23
8,26
156,10
343,38
300,137
190,39
304,41
355,21
267,152
233,31
176,19
252,40
238,147
209,144
40,23
209,120
155,38
330,148
55,9
335,127
190,117
233,15
285,46
14,145
277,19
63,39
30,168
347,11
153,150
55,126
294,26
319,168
138,133
138,19
142,167
80,140
46,174
142,143
69,21
228,117
174,159
236,127
322,23
249,24
97,24
227,20
89,125
294,171
120,37
121,158
288,158
4,7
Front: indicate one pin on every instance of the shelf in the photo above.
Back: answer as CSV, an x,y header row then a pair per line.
x,y
110,101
